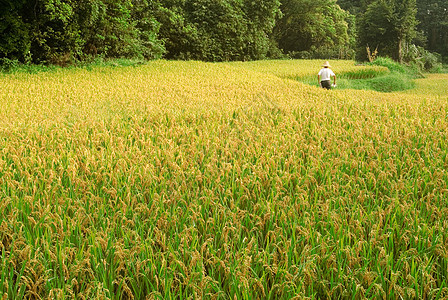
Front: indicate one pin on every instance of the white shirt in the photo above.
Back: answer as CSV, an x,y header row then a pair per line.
x,y
325,74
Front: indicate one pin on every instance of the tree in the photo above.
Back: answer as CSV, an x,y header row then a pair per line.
x,y
433,18
262,16
60,31
15,40
179,35
389,25
118,28
355,7
221,26
405,23
311,25
218,30
142,15
53,32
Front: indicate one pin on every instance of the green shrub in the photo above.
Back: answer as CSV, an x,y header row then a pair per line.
x,y
389,83
363,74
389,63
423,59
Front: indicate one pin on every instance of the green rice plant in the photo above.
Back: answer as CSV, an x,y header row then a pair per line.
x,y
11,286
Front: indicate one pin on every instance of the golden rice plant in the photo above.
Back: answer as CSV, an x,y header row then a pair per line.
x,y
228,180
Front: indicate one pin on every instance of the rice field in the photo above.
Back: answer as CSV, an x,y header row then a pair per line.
x,y
192,180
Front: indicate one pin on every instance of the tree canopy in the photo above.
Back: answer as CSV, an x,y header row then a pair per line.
x,y
433,23
65,31
309,26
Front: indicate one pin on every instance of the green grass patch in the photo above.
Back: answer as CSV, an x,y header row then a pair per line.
x,y
389,83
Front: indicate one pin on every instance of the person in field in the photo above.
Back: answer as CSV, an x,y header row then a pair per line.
x,y
324,76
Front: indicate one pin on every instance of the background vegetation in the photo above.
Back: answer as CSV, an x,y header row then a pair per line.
x,y
64,31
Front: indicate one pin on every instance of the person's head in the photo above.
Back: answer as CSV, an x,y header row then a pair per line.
x,y
326,65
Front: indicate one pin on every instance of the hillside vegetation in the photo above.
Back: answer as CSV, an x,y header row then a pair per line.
x,y
221,180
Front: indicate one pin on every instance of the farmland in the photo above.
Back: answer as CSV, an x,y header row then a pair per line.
x,y
221,180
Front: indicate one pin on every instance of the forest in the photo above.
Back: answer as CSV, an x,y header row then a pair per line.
x,y
64,32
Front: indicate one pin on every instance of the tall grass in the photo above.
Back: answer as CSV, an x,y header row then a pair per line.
x,y
196,180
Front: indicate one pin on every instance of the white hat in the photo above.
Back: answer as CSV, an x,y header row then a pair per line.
x,y
326,64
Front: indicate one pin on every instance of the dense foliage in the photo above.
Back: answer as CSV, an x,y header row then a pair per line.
x,y
310,27
433,17
64,31
388,24
57,31
217,30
